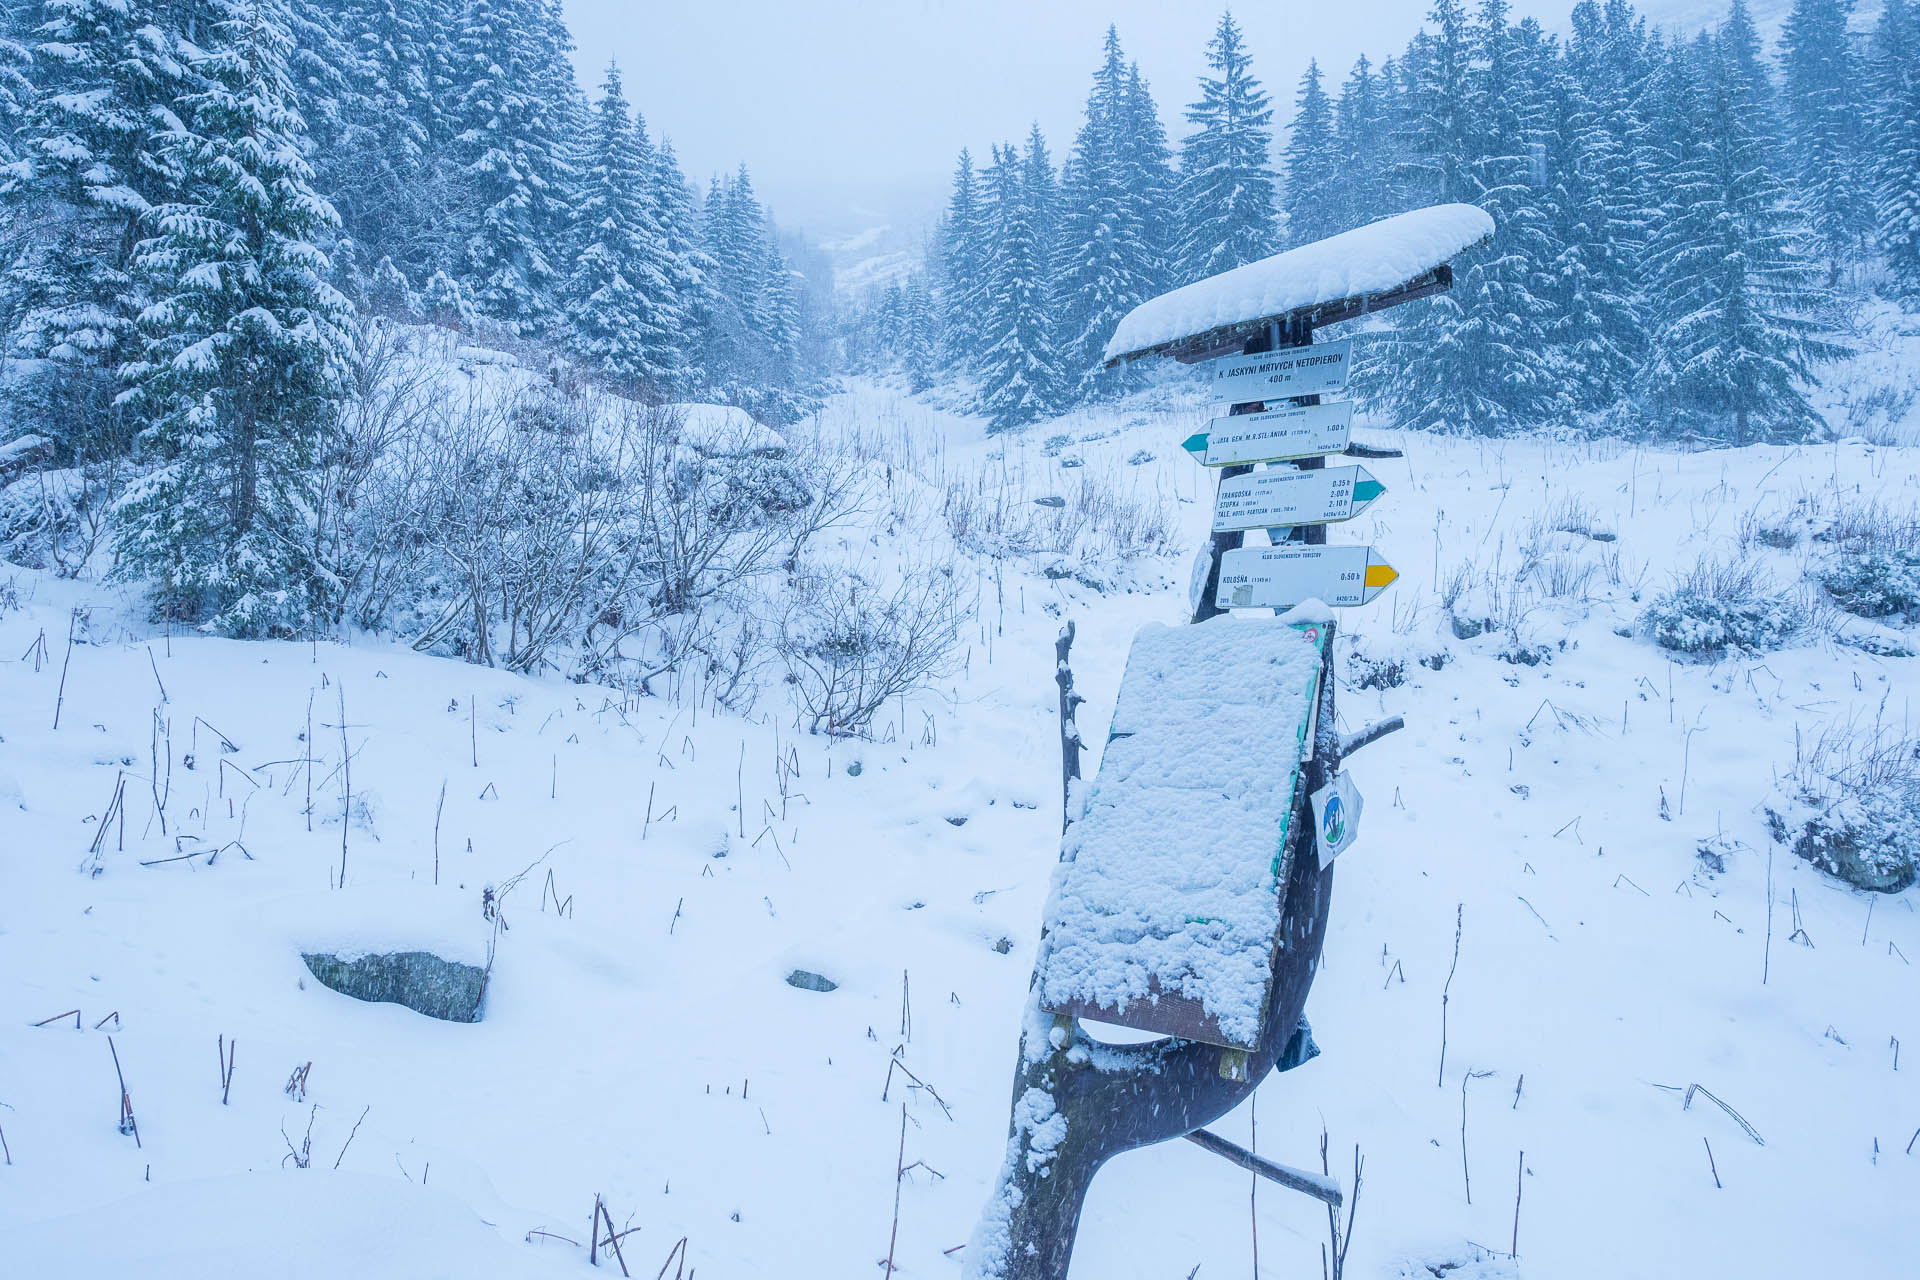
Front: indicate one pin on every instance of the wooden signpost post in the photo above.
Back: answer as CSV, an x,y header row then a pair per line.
x,y
1272,753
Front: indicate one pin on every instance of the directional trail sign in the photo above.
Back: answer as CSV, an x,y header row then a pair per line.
x,y
1277,435
1190,906
1281,577
1283,374
1270,499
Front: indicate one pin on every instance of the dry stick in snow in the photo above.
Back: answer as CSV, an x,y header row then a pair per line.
x,y
613,1239
1459,916
309,761
906,1009
1711,1166
899,1175
73,617
1466,1178
1687,1102
156,674
437,810
349,1142
1519,1176
225,1054
679,1249
3,1148
894,1064
346,783
1253,1191
1766,956
740,790
127,1123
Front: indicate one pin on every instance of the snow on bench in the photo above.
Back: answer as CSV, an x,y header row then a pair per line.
x,y
1165,912
1352,268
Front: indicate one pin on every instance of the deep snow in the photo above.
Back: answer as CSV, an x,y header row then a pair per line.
x,y
644,1046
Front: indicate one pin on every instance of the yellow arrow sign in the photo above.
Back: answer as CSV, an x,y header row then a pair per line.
x,y
1281,577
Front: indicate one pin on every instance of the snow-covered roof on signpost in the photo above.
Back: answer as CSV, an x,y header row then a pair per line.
x,y
1393,260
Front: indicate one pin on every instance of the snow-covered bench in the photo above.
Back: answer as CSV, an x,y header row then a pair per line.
x,y
1166,910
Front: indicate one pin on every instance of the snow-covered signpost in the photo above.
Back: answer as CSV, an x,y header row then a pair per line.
x,y
1192,894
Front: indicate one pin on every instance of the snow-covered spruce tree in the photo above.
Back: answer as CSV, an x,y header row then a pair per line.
x,y
1151,184
376,172
918,340
1602,164
1018,372
779,394
733,221
1227,212
16,89
1040,185
245,354
1479,358
689,270
962,253
1312,198
90,164
509,151
1825,126
1896,141
1737,323
1747,66
1363,156
1441,133
617,299
1101,231
1596,327
730,226
443,302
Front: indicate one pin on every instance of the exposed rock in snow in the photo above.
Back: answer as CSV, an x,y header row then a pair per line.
x,y
807,980
419,980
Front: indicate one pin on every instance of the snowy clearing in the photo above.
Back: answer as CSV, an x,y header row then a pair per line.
x,y
640,1042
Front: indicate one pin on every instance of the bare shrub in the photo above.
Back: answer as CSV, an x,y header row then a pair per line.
x,y
60,519
1850,804
1882,412
1874,567
850,644
1722,606
536,525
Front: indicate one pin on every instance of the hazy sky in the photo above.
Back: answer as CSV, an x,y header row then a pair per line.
x,y
850,112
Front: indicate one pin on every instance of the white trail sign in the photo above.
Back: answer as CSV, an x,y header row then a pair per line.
x,y
1277,435
1279,375
1281,577
1270,499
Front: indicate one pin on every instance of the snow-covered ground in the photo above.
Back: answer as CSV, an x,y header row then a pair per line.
x,y
640,1042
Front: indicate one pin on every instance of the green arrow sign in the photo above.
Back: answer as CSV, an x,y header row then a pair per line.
x,y
1279,375
1270,499
1278,435
1281,577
